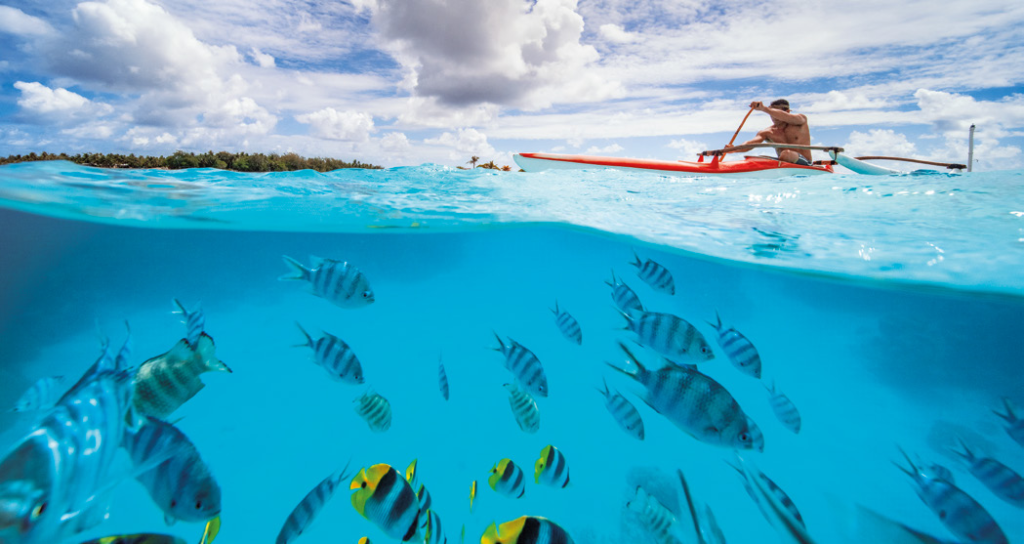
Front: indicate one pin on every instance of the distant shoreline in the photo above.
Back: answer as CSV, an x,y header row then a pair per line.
x,y
221,160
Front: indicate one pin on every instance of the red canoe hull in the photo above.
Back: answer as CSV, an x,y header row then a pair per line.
x,y
749,167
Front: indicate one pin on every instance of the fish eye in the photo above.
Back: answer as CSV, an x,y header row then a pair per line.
x,y
38,510
704,350
363,485
367,294
174,503
199,505
744,437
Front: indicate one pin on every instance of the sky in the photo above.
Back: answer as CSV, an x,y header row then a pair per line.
x,y
408,82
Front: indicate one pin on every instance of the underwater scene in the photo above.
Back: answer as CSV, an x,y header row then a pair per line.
x,y
430,355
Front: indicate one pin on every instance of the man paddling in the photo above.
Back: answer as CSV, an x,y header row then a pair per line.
x,y
787,128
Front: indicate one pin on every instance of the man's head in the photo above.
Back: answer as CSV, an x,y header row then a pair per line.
x,y
781,104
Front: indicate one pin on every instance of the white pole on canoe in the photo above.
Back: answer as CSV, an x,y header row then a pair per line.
x,y
970,150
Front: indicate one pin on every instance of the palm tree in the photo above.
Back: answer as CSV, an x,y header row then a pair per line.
x,y
473,161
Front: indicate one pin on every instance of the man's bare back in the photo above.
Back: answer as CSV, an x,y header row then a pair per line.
x,y
787,128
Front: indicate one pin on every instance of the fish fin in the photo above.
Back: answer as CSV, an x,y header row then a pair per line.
x,y
205,348
211,531
717,327
181,351
632,359
638,263
501,345
967,454
169,520
309,339
628,318
914,472
1009,416
295,270
611,283
315,261
692,507
490,536
606,392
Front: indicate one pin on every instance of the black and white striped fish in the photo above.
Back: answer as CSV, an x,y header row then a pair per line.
x,y
376,410
182,486
194,321
524,408
335,356
551,468
433,533
741,352
708,526
42,395
768,484
624,297
1000,479
442,379
387,500
624,413
670,336
507,479
339,283
655,275
1014,425
959,512
165,382
784,409
308,508
525,366
774,504
656,518
938,472
526,530
567,325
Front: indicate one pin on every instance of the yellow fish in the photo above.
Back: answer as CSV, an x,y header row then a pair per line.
x,y
472,496
387,500
165,382
526,530
365,540
212,528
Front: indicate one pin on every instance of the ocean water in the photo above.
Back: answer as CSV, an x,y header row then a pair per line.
x,y
888,309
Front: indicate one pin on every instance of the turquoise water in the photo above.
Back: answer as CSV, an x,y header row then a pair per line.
x,y
888,309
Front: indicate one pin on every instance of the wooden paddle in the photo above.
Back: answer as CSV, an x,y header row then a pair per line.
x,y
740,127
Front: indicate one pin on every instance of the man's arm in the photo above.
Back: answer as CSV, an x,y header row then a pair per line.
x,y
760,138
781,115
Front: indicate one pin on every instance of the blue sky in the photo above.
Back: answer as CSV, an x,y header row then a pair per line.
x,y
399,82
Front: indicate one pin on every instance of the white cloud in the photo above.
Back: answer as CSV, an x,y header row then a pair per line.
x,y
242,114
464,142
616,34
262,59
14,21
689,149
611,148
884,142
395,142
91,131
38,98
338,125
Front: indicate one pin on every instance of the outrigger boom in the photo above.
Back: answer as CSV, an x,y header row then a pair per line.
x,y
744,148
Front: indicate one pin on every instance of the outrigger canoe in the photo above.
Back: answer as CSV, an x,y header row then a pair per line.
x,y
749,167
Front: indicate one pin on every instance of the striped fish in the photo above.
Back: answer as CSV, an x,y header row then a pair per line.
x,y
709,529
387,500
1000,479
423,496
525,366
696,404
194,321
775,506
182,486
524,408
472,496
507,479
551,468
364,540
741,352
656,518
624,297
567,325
138,538
624,413
165,382
335,356
42,395
308,508
1014,425
339,283
655,275
376,410
442,379
784,409
434,534
526,530
937,472
962,515
670,336
410,473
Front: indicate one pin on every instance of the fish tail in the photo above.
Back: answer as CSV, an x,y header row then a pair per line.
x,y
692,507
1009,416
296,270
501,345
555,310
967,454
633,359
913,472
638,263
309,339
717,327
627,317
180,308
611,283
604,391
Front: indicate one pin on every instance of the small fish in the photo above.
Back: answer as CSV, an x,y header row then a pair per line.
x,y
670,336
654,275
308,508
774,505
182,486
624,413
624,297
551,468
567,325
138,538
656,518
423,496
526,530
937,472
364,540
434,534
194,321
387,500
165,382
741,352
376,410
42,395
507,479
1000,479
410,473
784,409
335,356
709,529
1014,425
780,496
211,531
472,496
442,379
525,366
462,539
339,283
524,408
696,404
958,511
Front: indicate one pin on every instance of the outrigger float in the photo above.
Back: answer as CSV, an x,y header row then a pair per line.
x,y
750,167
